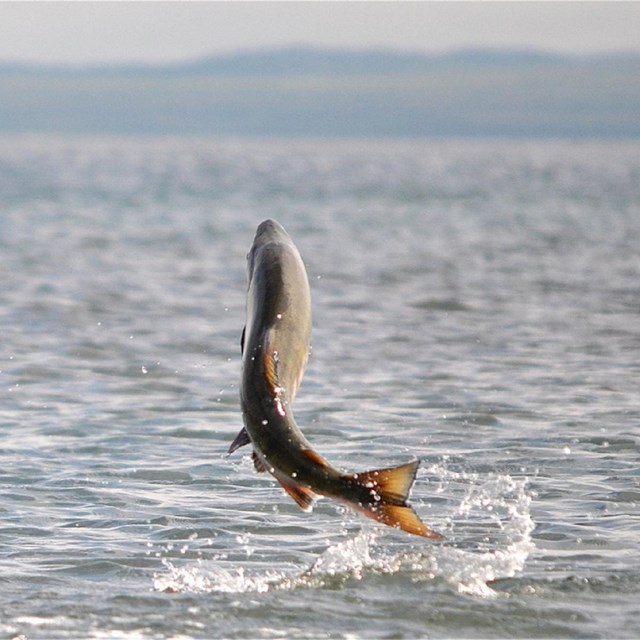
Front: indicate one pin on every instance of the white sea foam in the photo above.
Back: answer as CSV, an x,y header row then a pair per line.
x,y
201,577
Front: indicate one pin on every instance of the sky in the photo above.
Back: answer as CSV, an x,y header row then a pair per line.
x,y
103,32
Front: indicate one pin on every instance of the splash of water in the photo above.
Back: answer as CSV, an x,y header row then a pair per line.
x,y
488,536
202,578
497,506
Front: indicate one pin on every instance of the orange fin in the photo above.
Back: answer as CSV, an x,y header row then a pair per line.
x,y
393,484
304,497
315,457
401,517
390,489
271,364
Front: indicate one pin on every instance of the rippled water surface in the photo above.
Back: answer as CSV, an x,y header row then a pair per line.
x,y
476,305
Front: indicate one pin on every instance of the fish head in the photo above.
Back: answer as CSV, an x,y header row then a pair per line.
x,y
268,231
278,309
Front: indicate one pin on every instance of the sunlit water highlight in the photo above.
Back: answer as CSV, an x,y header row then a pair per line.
x,y
476,305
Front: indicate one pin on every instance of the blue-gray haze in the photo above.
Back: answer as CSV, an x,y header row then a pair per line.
x,y
302,92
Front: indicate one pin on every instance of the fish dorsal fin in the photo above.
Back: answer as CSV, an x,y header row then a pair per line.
x,y
239,441
303,496
260,466
315,457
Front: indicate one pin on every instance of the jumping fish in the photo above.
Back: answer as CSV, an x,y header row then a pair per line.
x,y
275,348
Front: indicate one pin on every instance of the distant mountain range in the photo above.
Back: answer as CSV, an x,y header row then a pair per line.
x,y
327,92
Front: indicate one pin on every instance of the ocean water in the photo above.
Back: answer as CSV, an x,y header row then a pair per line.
x,y
476,305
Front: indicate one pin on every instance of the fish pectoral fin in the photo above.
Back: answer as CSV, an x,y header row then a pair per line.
x,y
271,363
239,441
304,497
259,465
244,331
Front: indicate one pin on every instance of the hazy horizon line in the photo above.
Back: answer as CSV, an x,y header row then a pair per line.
x,y
391,51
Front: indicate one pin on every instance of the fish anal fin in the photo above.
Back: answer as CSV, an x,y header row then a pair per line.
x,y
239,441
304,497
315,457
259,465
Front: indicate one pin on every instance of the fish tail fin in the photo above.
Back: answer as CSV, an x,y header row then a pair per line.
x,y
388,491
